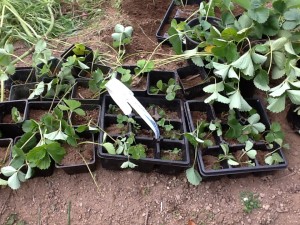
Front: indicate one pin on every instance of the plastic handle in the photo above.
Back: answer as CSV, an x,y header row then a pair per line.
x,y
125,99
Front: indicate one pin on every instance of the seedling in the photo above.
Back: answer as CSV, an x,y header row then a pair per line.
x,y
231,160
250,201
172,154
16,115
97,82
122,120
169,89
113,109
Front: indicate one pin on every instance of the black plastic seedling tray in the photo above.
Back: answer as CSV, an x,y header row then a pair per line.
x,y
171,13
81,167
22,75
22,92
213,111
156,161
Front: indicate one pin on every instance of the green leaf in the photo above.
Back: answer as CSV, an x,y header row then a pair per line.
x,y
232,162
238,102
254,118
197,60
109,148
279,59
82,65
252,154
269,160
243,61
3,182
40,46
28,173
171,96
277,73
38,90
144,66
279,90
72,104
257,58
294,95
21,176
279,43
175,40
79,112
260,14
221,69
193,176
276,105
8,171
128,164
56,135
13,182
261,80
56,152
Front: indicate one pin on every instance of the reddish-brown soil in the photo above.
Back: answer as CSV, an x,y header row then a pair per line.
x,y
210,162
191,81
139,83
198,116
37,114
73,157
169,155
85,93
129,197
90,115
4,155
7,118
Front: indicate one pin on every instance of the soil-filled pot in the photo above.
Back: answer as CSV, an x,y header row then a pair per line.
x,y
22,75
92,116
82,93
180,13
36,172
211,164
137,84
168,154
191,43
92,68
192,80
164,77
73,162
22,92
5,151
86,55
17,108
293,118
49,70
36,110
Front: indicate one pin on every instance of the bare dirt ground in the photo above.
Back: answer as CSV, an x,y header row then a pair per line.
x,y
128,197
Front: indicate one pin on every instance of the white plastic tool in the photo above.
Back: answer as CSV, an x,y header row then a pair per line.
x,y
125,99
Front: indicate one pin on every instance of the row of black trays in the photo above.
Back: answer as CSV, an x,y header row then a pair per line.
x,y
191,78
179,13
208,157
156,148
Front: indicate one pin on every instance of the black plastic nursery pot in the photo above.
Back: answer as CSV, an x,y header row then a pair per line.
x,y
192,81
5,151
174,12
190,43
36,109
155,149
155,76
88,58
76,153
209,165
59,90
22,92
92,113
82,93
6,108
54,65
22,75
36,172
137,84
93,67
293,118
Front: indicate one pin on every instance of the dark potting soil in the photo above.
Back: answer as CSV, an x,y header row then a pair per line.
x,y
85,93
211,162
169,155
144,133
113,129
198,116
153,110
260,157
4,155
241,160
90,115
149,152
139,83
73,157
7,118
37,114
191,81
